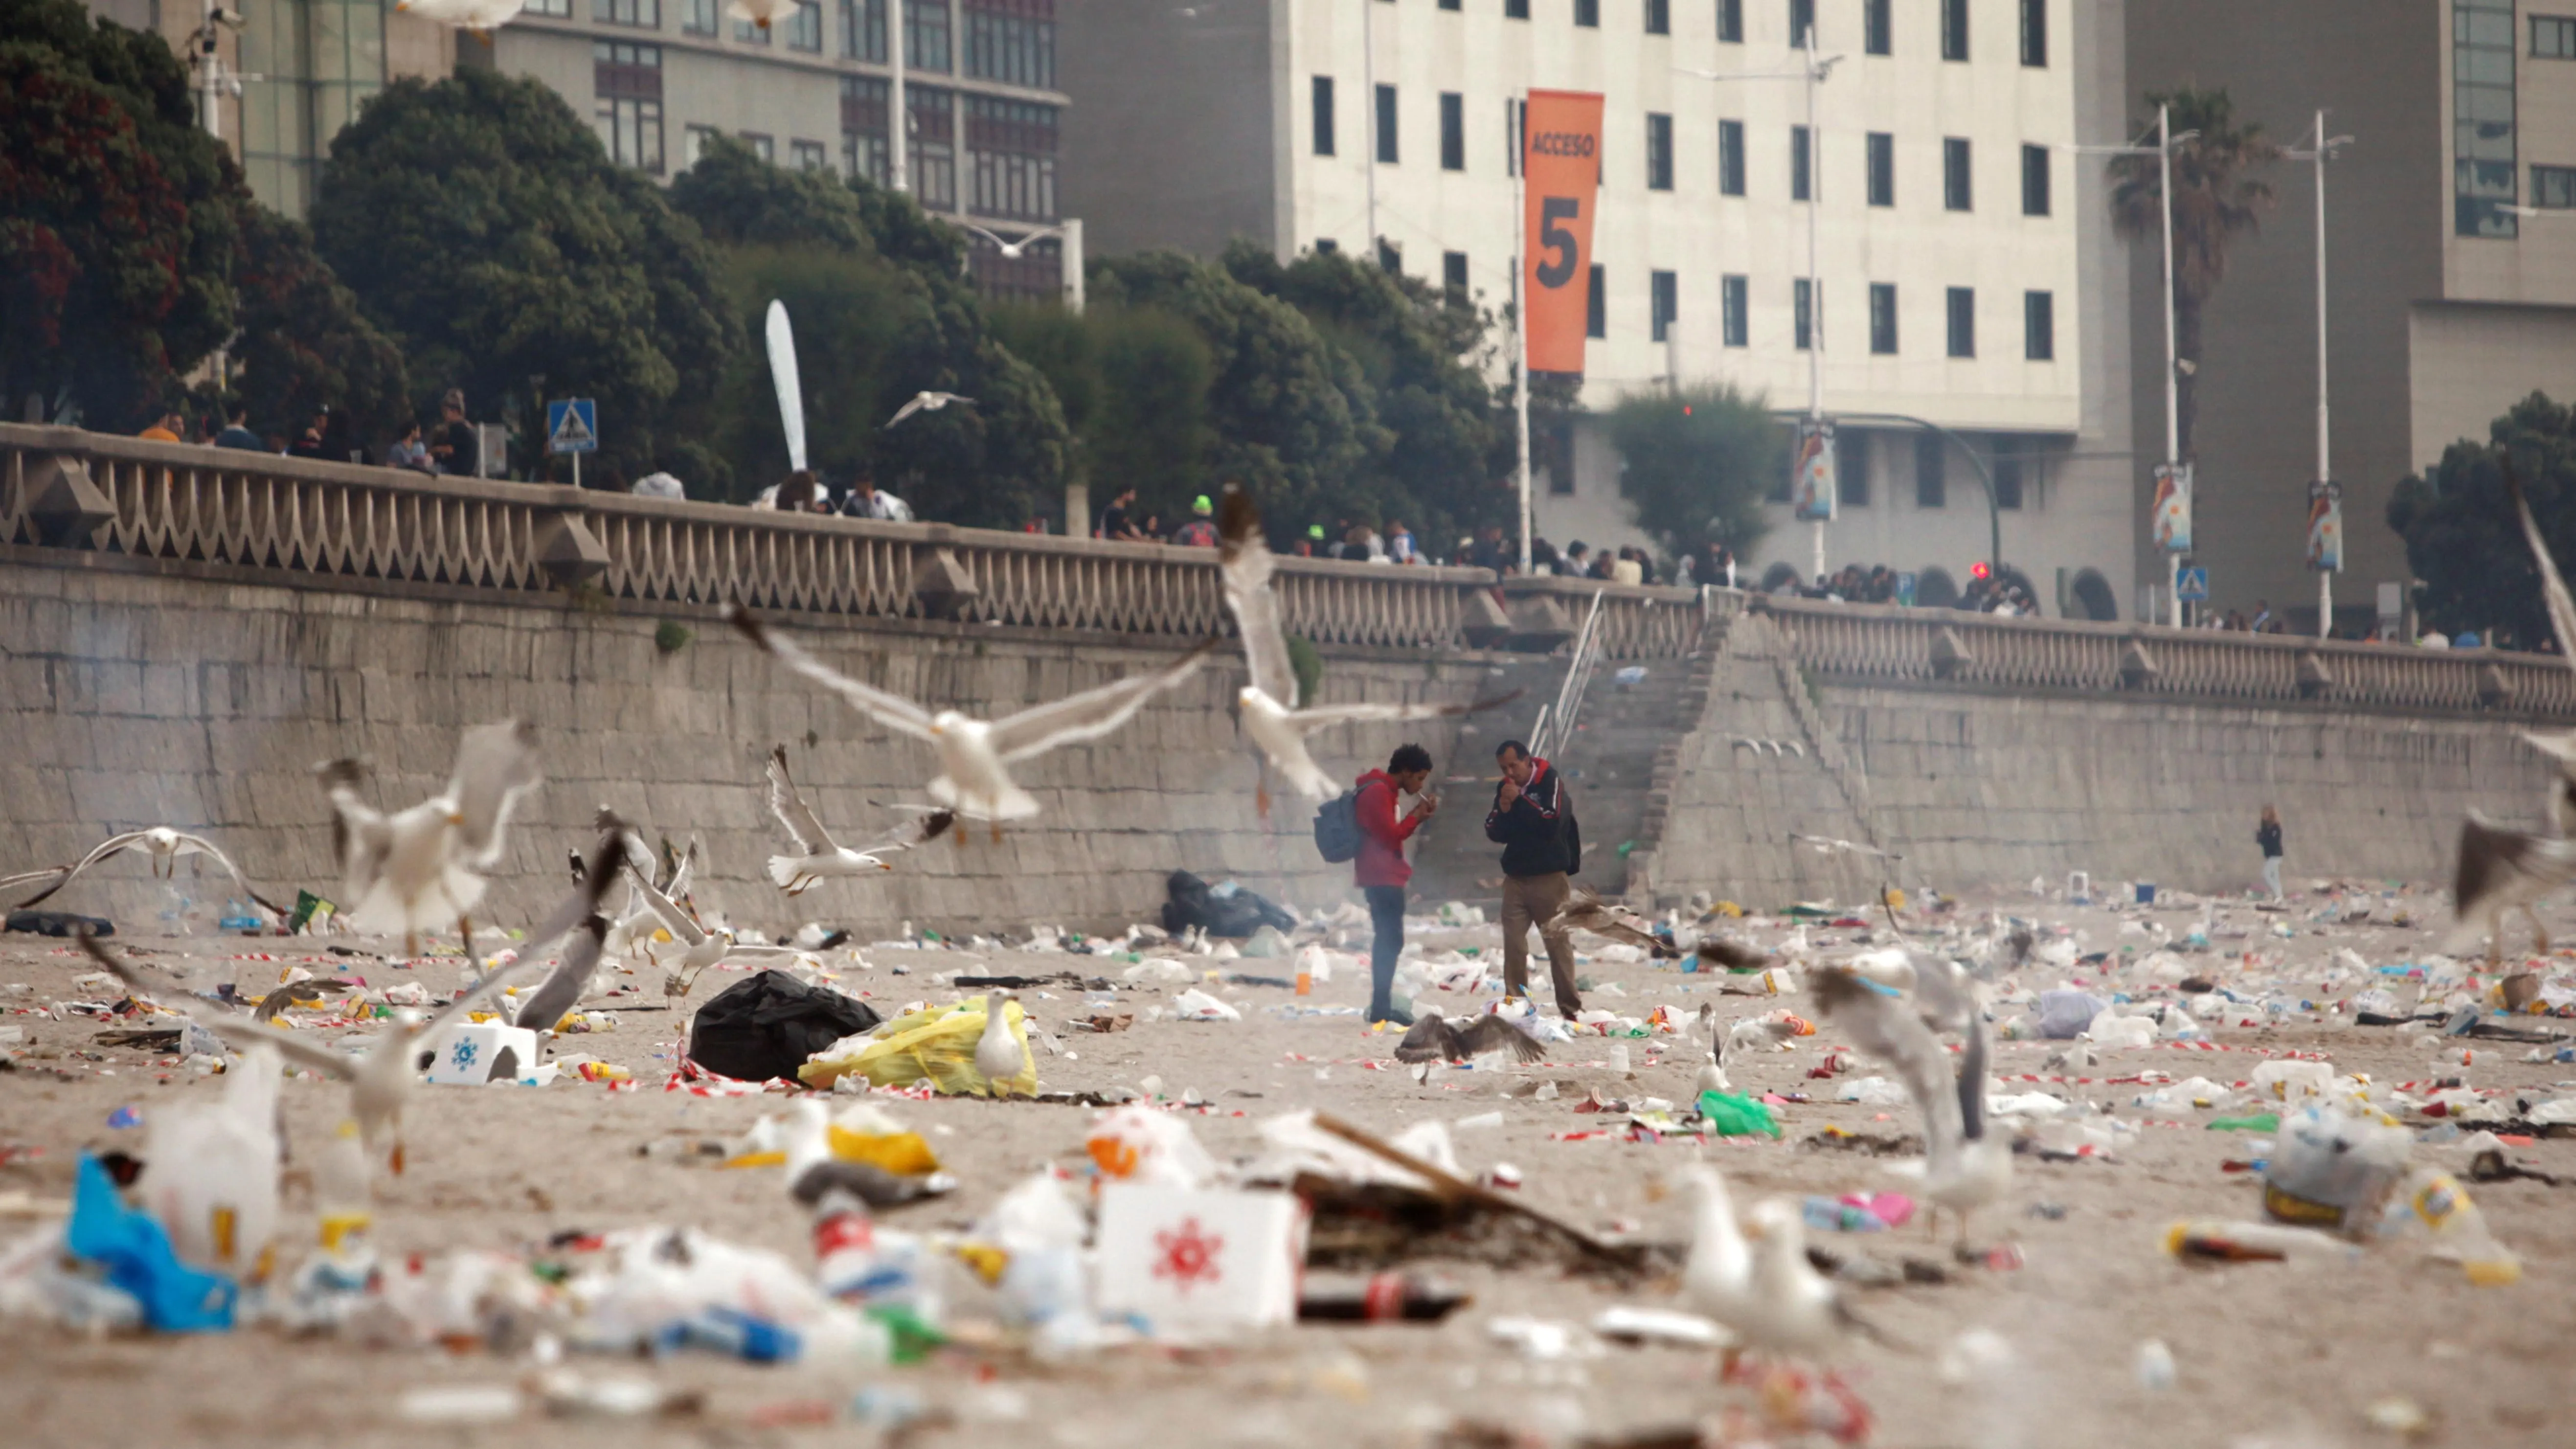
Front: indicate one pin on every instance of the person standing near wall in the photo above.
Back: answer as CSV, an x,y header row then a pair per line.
x,y
2268,836
1533,821
1380,870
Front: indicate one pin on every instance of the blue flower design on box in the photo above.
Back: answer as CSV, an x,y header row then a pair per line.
x,y
463,1055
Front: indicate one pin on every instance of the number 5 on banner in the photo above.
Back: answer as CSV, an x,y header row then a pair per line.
x,y
1561,162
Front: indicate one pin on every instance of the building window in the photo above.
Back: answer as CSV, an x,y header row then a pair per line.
x,y
1931,483
1882,318
1802,306
2553,37
1802,21
693,144
1390,257
1963,321
559,9
1659,152
701,17
805,29
761,146
1587,13
2034,32
1954,29
2008,483
1386,148
1453,275
1516,9
2482,116
1010,151
1877,32
2034,181
1326,246
1323,89
807,156
1958,189
865,147
934,145
627,83
1730,22
1665,298
1596,306
2039,326
1734,328
1730,158
1882,169
1453,131
1011,41
862,28
1451,4
1659,17
642,14
1802,181
2553,188
1851,472
925,34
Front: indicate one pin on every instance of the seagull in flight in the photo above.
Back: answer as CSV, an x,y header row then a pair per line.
x,y
2560,745
1438,1038
1826,845
758,12
162,843
1012,250
421,869
926,402
700,946
1586,911
1268,703
480,16
974,754
818,855
380,1082
2502,869
1963,1168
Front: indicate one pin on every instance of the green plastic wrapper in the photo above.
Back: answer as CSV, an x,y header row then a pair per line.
x,y
1733,1114
2260,1122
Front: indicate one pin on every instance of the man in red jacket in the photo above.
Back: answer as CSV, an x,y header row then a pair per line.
x,y
1380,871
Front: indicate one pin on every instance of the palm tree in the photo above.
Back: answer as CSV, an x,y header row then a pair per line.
x,y
2214,202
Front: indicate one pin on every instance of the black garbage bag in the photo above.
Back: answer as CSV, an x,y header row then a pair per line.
x,y
59,923
766,1026
1233,916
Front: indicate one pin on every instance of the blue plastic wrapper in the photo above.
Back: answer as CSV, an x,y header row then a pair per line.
x,y
137,1255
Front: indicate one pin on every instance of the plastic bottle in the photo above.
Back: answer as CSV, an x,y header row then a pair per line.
x,y
340,1191
2224,1241
2460,1230
1386,1297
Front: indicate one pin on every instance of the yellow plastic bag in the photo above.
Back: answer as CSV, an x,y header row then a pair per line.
x,y
936,1045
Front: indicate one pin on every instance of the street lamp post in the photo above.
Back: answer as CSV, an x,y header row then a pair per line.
x,y
900,119
1813,73
2323,151
2163,151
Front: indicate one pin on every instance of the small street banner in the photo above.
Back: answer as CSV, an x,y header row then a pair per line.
x,y
1561,166
2172,517
1812,482
2325,526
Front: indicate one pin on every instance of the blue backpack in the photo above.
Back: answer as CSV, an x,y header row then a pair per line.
x,y
1337,827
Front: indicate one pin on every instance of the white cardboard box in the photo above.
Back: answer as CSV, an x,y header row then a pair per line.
x,y
1195,1261
480,1053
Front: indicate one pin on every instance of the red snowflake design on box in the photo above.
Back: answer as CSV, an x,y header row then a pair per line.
x,y
1188,1255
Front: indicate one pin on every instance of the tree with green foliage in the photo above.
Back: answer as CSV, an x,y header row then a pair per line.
x,y
117,218
304,342
480,223
2215,202
1133,384
2463,540
1698,464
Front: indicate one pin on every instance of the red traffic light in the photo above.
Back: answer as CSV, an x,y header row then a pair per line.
x,y
1980,570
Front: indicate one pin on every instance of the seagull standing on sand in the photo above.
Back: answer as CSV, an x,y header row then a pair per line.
x,y
974,754
999,1055
1712,1076
1963,1168
421,869
381,1081
1270,715
1764,1290
162,843
923,402
820,856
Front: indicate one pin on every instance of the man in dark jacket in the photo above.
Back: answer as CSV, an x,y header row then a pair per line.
x,y
1533,820
1380,871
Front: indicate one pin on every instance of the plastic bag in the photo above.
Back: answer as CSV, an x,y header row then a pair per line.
x,y
137,1255
1732,1114
2331,1169
2063,1015
1139,1144
770,1024
1197,1005
936,1045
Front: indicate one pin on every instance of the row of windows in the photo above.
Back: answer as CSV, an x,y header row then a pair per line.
x,y
1011,41
1878,24
1958,189
1931,472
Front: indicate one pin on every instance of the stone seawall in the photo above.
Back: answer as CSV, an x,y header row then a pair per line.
x,y
132,698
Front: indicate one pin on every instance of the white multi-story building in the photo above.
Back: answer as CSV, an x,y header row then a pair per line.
x,y
1963,276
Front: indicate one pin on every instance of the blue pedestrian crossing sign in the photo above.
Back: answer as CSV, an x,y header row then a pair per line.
x,y
572,425
2191,585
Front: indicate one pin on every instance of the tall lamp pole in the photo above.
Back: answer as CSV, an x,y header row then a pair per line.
x,y
1814,72
2321,153
899,103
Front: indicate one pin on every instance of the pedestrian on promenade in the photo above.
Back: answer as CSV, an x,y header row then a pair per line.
x,y
1533,821
1399,543
237,433
408,451
2268,836
455,448
1114,524
164,428
1380,870
1200,531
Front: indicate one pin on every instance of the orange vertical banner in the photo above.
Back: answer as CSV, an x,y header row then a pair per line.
x,y
1561,169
